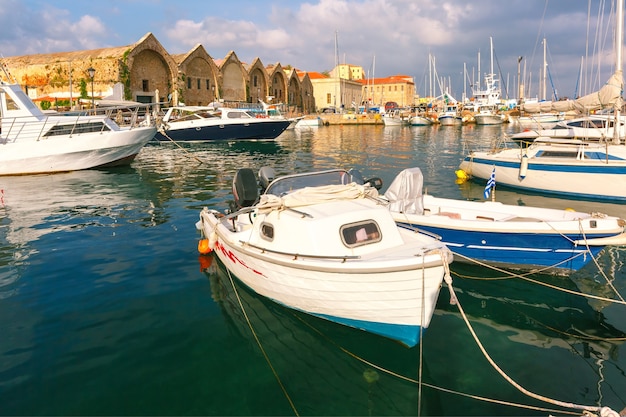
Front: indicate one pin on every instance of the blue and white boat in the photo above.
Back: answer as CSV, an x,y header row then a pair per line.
x,y
206,123
332,251
574,168
514,237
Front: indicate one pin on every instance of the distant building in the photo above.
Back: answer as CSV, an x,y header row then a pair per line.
x,y
397,88
336,93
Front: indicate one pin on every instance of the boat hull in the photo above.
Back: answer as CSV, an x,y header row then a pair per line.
x,y
71,153
549,252
592,178
450,121
420,121
261,129
394,302
488,119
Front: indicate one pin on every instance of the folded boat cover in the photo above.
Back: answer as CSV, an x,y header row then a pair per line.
x,y
405,192
315,195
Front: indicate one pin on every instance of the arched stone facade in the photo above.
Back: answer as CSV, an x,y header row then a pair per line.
x,y
277,83
233,83
257,82
294,92
197,78
143,70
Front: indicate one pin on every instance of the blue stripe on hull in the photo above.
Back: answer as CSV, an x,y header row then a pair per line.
x,y
403,333
515,250
554,168
586,169
265,130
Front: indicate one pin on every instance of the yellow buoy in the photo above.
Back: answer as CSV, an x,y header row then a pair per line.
x,y
460,174
204,247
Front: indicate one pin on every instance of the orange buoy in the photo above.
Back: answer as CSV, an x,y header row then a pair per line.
x,y
204,247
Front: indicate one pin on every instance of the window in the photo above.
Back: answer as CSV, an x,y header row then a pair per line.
x,y
255,80
267,231
208,84
328,98
199,83
362,233
145,85
189,83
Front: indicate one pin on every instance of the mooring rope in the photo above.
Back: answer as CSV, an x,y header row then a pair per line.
x,y
425,384
526,277
267,359
604,411
162,131
608,281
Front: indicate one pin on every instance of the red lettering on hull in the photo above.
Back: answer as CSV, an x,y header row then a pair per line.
x,y
233,258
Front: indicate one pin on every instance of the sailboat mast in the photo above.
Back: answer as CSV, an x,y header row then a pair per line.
x,y
619,42
545,71
491,48
336,71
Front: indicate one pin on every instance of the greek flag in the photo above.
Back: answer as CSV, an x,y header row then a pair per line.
x,y
491,183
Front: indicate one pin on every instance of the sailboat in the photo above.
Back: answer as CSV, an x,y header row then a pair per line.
x,y
489,98
563,166
537,114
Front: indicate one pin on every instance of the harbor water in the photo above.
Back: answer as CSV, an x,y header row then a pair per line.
x,y
107,308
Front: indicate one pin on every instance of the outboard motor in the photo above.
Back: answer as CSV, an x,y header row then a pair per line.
x,y
266,176
245,188
375,182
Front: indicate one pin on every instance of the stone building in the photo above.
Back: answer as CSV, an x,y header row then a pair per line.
x,y
143,69
145,72
334,92
197,78
398,88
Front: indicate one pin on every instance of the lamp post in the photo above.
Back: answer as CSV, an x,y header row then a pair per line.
x,y
92,74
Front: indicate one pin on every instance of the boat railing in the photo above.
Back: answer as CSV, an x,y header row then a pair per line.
x,y
300,255
72,123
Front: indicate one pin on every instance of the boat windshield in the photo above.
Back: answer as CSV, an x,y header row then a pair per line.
x,y
289,183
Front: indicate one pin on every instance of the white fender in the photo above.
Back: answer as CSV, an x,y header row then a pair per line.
x,y
523,167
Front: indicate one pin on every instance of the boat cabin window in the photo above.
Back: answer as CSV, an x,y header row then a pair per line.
x,y
75,129
11,105
558,154
238,115
267,231
362,233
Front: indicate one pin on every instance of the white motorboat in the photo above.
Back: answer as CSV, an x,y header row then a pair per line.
x,y
34,142
206,123
420,120
450,116
333,251
593,127
536,121
488,115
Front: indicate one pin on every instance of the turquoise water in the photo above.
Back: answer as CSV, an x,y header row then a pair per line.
x,y
106,308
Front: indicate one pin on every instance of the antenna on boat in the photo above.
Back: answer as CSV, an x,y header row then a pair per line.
x,y
5,69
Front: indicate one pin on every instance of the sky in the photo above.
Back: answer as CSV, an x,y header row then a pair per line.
x,y
385,37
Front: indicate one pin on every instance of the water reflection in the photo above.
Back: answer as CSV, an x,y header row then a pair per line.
x,y
315,359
